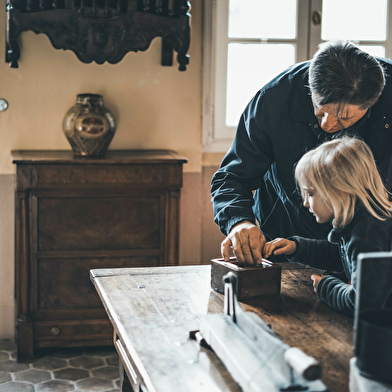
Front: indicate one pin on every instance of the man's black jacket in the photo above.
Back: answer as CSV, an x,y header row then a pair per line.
x,y
277,127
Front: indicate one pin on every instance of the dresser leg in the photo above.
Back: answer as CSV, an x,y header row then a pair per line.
x,y
25,342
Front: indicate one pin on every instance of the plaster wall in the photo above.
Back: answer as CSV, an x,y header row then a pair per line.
x,y
155,107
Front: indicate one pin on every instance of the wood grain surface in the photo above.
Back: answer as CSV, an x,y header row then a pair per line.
x,y
77,214
153,310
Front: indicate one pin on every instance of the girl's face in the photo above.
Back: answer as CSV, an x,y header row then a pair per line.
x,y
316,205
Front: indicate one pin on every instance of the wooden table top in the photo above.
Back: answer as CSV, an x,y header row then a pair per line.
x,y
153,310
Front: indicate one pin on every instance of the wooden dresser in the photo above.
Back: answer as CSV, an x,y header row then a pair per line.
x,y
76,214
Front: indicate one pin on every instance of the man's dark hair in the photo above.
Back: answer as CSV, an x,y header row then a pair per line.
x,y
341,73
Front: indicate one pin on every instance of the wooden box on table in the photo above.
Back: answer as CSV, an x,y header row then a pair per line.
x,y
252,282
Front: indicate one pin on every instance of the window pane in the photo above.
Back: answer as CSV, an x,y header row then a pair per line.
x,y
378,51
250,66
262,18
354,19
374,50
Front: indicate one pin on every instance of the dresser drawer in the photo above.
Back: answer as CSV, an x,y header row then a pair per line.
x,y
64,330
86,222
63,284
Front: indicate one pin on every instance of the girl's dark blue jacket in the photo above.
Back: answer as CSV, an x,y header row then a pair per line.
x,y
364,233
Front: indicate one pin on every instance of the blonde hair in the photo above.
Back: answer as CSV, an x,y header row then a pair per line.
x,y
344,171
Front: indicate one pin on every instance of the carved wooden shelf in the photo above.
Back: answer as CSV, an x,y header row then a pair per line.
x,y
102,30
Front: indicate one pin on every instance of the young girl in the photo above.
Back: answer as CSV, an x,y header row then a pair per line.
x,y
339,182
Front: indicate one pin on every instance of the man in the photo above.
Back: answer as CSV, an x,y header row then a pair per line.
x,y
343,90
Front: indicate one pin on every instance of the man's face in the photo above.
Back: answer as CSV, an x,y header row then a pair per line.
x,y
333,118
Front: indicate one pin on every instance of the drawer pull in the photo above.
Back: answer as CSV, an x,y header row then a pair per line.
x,y
55,331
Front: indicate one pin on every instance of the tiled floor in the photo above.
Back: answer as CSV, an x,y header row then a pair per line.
x,y
87,369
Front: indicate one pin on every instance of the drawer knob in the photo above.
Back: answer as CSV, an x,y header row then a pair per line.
x,y
55,331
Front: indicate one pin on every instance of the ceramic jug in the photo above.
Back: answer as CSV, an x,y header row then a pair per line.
x,y
89,126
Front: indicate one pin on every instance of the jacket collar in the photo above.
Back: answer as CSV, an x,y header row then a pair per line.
x,y
301,107
337,233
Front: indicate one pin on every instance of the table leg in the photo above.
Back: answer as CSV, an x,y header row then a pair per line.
x,y
124,381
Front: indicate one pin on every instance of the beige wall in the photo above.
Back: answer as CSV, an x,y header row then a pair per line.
x,y
155,107
6,256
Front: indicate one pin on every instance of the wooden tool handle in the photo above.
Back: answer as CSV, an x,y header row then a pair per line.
x,y
304,365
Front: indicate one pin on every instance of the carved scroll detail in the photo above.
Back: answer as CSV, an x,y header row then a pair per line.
x,y
101,39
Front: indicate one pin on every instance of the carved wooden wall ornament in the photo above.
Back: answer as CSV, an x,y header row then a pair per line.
x,y
102,30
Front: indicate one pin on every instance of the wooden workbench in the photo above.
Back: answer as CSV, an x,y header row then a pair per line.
x,y
153,310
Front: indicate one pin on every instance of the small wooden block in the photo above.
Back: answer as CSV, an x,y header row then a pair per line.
x,y
252,282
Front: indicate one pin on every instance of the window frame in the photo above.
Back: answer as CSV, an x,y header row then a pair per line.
x,y
216,135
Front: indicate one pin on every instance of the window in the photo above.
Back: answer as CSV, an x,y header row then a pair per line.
x,y
248,42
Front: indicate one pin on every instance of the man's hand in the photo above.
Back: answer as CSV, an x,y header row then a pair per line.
x,y
316,279
247,241
279,246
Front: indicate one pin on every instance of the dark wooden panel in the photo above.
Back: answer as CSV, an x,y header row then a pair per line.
x,y
73,330
60,169
74,342
99,223
74,214
64,284
76,175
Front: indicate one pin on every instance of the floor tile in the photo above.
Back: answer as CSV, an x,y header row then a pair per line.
x,y
49,363
4,377
113,360
66,353
71,374
105,351
16,387
87,362
55,386
12,366
85,369
33,376
94,385
7,345
108,372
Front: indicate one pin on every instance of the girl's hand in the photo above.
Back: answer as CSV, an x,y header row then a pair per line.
x,y
279,246
316,279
